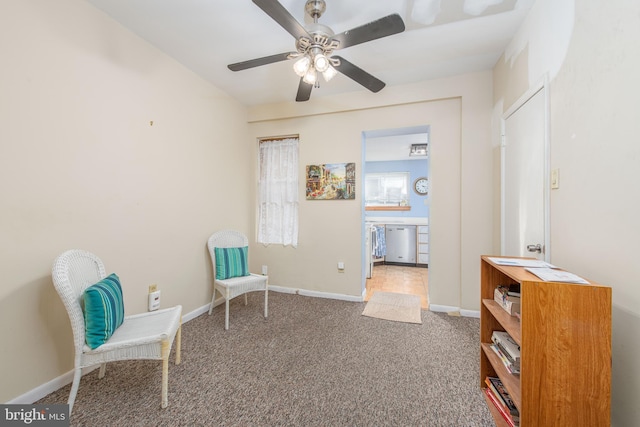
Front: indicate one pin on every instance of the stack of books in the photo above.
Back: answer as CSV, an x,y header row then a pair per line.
x,y
508,350
498,395
508,296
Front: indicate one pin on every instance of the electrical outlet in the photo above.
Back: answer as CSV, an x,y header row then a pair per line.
x,y
154,300
264,270
153,288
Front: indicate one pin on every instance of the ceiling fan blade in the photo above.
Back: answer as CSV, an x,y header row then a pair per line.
x,y
304,91
238,66
358,75
383,27
282,16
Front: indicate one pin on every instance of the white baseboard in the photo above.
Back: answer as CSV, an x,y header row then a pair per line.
x,y
308,293
470,313
449,309
197,312
48,388
66,378
443,308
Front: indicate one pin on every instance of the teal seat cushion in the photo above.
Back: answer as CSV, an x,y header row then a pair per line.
x,y
103,310
231,262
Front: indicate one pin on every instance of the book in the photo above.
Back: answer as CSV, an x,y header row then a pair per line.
x,y
499,407
510,304
510,292
511,368
495,392
504,339
503,395
512,364
514,290
500,403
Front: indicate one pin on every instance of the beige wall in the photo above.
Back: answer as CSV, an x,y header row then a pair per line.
x,y
331,231
594,130
458,109
81,167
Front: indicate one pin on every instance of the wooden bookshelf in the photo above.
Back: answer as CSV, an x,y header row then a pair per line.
x,y
565,348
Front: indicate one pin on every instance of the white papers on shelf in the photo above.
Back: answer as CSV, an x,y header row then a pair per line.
x,y
519,262
551,275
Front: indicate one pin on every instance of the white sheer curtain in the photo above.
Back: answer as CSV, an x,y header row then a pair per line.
x,y
278,192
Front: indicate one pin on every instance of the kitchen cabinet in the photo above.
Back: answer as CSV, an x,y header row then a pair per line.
x,y
423,245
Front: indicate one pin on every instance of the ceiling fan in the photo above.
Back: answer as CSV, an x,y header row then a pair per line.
x,y
315,45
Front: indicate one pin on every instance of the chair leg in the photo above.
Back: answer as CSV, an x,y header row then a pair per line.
x,y
266,303
74,388
165,381
178,342
103,368
245,299
213,298
226,315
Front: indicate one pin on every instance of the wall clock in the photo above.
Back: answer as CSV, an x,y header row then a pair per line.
x,y
421,186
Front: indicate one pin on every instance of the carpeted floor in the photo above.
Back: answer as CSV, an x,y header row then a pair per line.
x,y
314,362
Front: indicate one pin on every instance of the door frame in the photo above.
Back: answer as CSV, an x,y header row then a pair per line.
x,y
542,85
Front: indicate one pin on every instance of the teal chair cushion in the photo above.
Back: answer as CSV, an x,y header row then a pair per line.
x,y
103,310
231,262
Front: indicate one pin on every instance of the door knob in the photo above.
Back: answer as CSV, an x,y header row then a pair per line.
x,y
535,248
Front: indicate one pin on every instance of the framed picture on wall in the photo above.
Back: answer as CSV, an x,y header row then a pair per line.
x,y
331,181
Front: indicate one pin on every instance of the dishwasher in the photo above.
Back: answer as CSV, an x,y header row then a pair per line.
x,y
401,244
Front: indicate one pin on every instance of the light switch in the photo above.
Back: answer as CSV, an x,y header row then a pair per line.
x,y
555,179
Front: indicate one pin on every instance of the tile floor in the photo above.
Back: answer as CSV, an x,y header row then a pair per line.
x,y
394,278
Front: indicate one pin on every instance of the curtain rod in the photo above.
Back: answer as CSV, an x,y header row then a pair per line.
x,y
278,138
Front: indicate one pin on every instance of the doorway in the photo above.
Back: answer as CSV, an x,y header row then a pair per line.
x,y
399,279
387,155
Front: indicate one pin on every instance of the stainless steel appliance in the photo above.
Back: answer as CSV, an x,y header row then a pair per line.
x,y
401,244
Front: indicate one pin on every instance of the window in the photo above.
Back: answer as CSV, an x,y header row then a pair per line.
x,y
390,189
278,191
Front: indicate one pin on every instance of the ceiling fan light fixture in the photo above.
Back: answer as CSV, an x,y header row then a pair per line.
x,y
311,76
329,73
321,62
315,43
302,65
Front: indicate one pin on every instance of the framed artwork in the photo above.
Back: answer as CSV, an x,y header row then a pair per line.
x,y
331,181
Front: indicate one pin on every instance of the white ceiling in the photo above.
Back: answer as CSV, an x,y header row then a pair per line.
x,y
442,38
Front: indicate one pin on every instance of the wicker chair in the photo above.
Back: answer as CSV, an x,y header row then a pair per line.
x,y
141,336
235,286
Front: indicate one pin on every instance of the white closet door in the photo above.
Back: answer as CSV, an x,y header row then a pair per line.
x,y
523,183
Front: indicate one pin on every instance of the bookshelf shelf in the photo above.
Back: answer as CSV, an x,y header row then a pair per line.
x,y
565,348
510,381
500,422
509,323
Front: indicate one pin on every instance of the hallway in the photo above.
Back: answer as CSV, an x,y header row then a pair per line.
x,y
395,278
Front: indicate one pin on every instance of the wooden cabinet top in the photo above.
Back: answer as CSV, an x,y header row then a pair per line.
x,y
519,274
